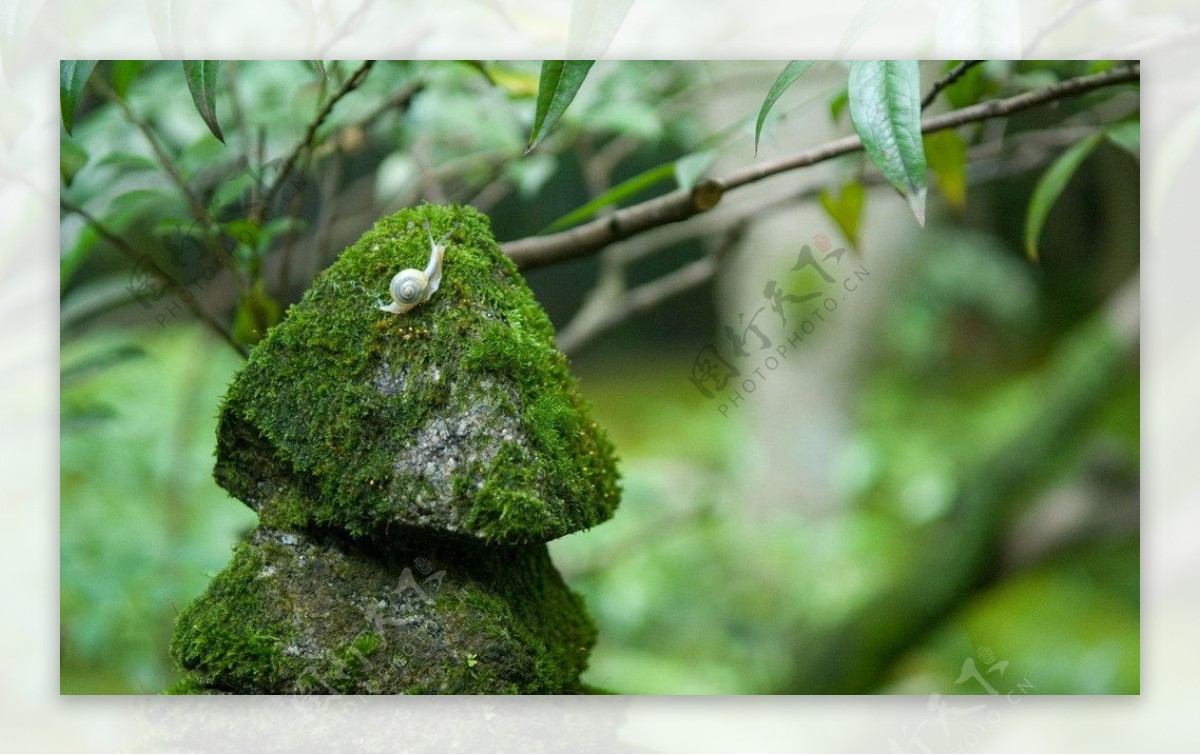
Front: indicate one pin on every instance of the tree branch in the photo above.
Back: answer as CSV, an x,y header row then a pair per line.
x,y
953,75
351,84
609,303
683,204
164,160
187,297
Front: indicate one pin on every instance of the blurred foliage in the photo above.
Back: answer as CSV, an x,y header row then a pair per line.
x,y
693,588
143,526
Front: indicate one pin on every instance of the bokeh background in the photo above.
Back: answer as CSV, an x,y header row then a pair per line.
x,y
937,492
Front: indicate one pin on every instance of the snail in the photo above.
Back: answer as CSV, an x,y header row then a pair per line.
x,y
412,287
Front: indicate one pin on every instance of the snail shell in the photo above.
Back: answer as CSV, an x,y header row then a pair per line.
x,y
412,287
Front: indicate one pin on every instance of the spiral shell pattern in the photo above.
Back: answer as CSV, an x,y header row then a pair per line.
x,y
409,287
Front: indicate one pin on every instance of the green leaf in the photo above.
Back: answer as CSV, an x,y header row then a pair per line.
x,y
123,74
1050,186
885,107
791,72
617,194
202,78
947,155
256,312
1128,136
231,191
244,232
89,365
846,209
74,257
127,162
272,229
837,104
120,214
72,78
71,157
516,83
559,82
969,88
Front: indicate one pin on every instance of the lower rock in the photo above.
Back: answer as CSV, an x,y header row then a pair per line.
x,y
316,613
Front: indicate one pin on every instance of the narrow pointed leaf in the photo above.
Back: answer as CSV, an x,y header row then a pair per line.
x,y
1050,186
791,72
560,80
617,194
885,108
72,78
202,78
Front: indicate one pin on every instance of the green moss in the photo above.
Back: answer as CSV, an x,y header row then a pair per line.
x,y
226,634
312,614
188,685
458,416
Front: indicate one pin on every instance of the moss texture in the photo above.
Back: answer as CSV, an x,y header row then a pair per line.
x,y
407,471
459,416
311,614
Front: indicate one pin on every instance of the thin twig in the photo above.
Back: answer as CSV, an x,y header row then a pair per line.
x,y
187,297
243,126
953,75
683,204
164,160
351,84
611,304
398,100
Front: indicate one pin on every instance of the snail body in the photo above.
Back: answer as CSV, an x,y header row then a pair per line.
x,y
411,287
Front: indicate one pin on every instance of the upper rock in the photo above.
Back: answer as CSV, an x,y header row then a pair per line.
x,y
459,416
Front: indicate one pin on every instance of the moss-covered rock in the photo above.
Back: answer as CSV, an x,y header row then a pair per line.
x,y
312,614
459,416
407,471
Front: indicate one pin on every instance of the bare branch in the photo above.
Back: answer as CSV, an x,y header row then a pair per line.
x,y
683,204
610,304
